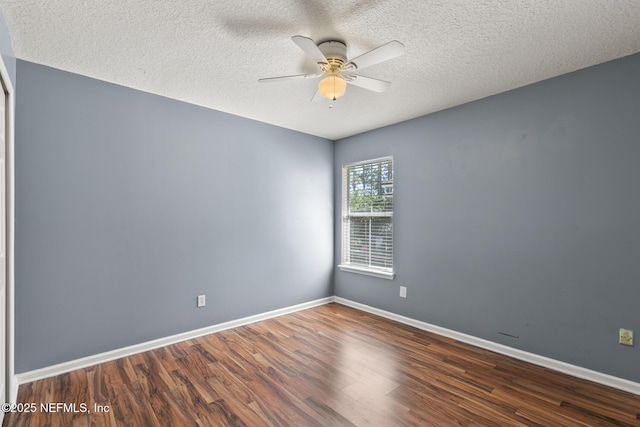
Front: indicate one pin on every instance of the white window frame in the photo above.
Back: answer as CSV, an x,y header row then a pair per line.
x,y
345,265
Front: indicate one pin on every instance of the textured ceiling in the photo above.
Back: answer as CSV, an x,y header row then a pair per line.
x,y
212,53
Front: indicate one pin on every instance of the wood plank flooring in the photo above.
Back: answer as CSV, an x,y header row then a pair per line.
x,y
327,366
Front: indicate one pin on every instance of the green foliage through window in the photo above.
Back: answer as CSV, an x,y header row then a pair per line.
x,y
370,187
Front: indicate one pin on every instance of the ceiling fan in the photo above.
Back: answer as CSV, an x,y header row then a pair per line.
x,y
337,71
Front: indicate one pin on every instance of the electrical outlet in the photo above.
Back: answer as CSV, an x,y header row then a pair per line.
x,y
626,337
403,291
201,301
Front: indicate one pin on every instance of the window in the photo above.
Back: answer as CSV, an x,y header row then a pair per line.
x,y
367,217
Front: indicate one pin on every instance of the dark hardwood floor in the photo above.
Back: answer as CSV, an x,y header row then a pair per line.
x,y
326,366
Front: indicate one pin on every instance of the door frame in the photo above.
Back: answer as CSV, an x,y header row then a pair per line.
x,y
11,386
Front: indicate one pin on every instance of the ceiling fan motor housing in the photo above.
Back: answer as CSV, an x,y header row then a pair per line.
x,y
334,49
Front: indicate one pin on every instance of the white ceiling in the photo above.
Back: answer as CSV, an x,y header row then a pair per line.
x,y
212,52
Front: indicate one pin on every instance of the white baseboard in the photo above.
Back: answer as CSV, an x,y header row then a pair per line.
x,y
72,365
576,371
567,368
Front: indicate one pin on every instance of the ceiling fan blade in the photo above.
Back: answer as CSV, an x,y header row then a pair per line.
x,y
310,48
388,51
295,76
369,83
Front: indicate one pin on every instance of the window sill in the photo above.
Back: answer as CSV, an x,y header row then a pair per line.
x,y
389,275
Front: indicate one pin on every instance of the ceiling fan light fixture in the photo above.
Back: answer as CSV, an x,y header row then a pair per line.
x,y
332,87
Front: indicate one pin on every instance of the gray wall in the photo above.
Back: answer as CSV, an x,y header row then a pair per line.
x,y
519,214
129,205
